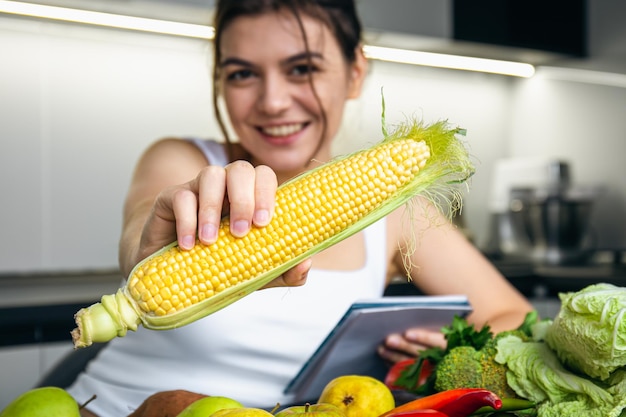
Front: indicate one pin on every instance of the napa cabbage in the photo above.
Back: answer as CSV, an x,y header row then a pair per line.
x,y
589,332
575,364
535,372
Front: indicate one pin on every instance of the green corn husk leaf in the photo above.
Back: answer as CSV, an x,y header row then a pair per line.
x,y
449,164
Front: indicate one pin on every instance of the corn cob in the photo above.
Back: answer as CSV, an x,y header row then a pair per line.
x,y
173,287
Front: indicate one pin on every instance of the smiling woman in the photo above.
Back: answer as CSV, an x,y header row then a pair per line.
x,y
284,71
284,102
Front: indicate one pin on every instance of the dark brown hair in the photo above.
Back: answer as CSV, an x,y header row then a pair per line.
x,y
340,16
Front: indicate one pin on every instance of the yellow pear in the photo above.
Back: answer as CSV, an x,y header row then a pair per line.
x,y
358,396
242,412
43,402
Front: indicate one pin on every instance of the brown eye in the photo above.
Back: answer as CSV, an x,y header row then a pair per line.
x,y
303,69
239,75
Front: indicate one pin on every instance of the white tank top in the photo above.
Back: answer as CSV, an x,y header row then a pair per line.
x,y
248,351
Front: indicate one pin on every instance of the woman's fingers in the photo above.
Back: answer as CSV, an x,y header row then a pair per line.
x,y
392,356
184,206
248,193
295,277
211,187
240,188
400,346
396,348
264,195
425,337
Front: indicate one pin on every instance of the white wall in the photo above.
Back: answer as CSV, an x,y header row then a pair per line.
x,y
583,124
477,102
79,104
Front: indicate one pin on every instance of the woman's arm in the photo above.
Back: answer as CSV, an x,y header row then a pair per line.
x,y
442,261
148,219
175,196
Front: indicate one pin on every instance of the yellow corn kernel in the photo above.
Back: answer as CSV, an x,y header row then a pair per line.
x,y
174,287
296,221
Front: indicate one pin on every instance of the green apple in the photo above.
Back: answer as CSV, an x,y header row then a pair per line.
x,y
312,410
242,412
43,402
205,407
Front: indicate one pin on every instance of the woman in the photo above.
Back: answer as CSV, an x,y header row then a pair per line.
x,y
284,69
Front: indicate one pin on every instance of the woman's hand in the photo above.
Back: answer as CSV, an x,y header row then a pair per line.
x,y
195,208
407,345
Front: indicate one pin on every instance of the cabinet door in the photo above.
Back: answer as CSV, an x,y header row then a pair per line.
x,y
22,367
20,370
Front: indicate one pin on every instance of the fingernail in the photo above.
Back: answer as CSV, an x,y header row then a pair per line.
x,y
261,217
413,333
304,277
393,341
240,228
208,233
188,241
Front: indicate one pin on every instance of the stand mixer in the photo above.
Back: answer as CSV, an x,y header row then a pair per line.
x,y
537,215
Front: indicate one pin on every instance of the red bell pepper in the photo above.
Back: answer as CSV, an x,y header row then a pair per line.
x,y
398,368
429,412
459,402
468,403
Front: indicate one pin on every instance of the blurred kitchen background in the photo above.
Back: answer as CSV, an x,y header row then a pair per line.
x,y
81,102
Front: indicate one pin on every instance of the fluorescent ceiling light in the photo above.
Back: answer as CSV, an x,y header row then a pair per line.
x,y
107,19
206,32
609,79
431,59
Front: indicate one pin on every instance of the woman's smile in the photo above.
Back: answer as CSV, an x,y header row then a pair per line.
x,y
282,130
283,134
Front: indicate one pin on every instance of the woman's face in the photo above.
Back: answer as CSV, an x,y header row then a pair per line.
x,y
265,83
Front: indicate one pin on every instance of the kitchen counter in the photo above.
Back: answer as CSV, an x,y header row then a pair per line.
x,y
35,289
549,280
541,284
542,281
40,308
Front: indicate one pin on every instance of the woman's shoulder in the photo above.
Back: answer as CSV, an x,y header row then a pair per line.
x,y
169,147
206,143
218,152
209,150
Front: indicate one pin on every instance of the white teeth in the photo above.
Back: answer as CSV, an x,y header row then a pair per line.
x,y
283,130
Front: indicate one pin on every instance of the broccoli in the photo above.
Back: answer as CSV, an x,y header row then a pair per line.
x,y
461,367
468,361
468,367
